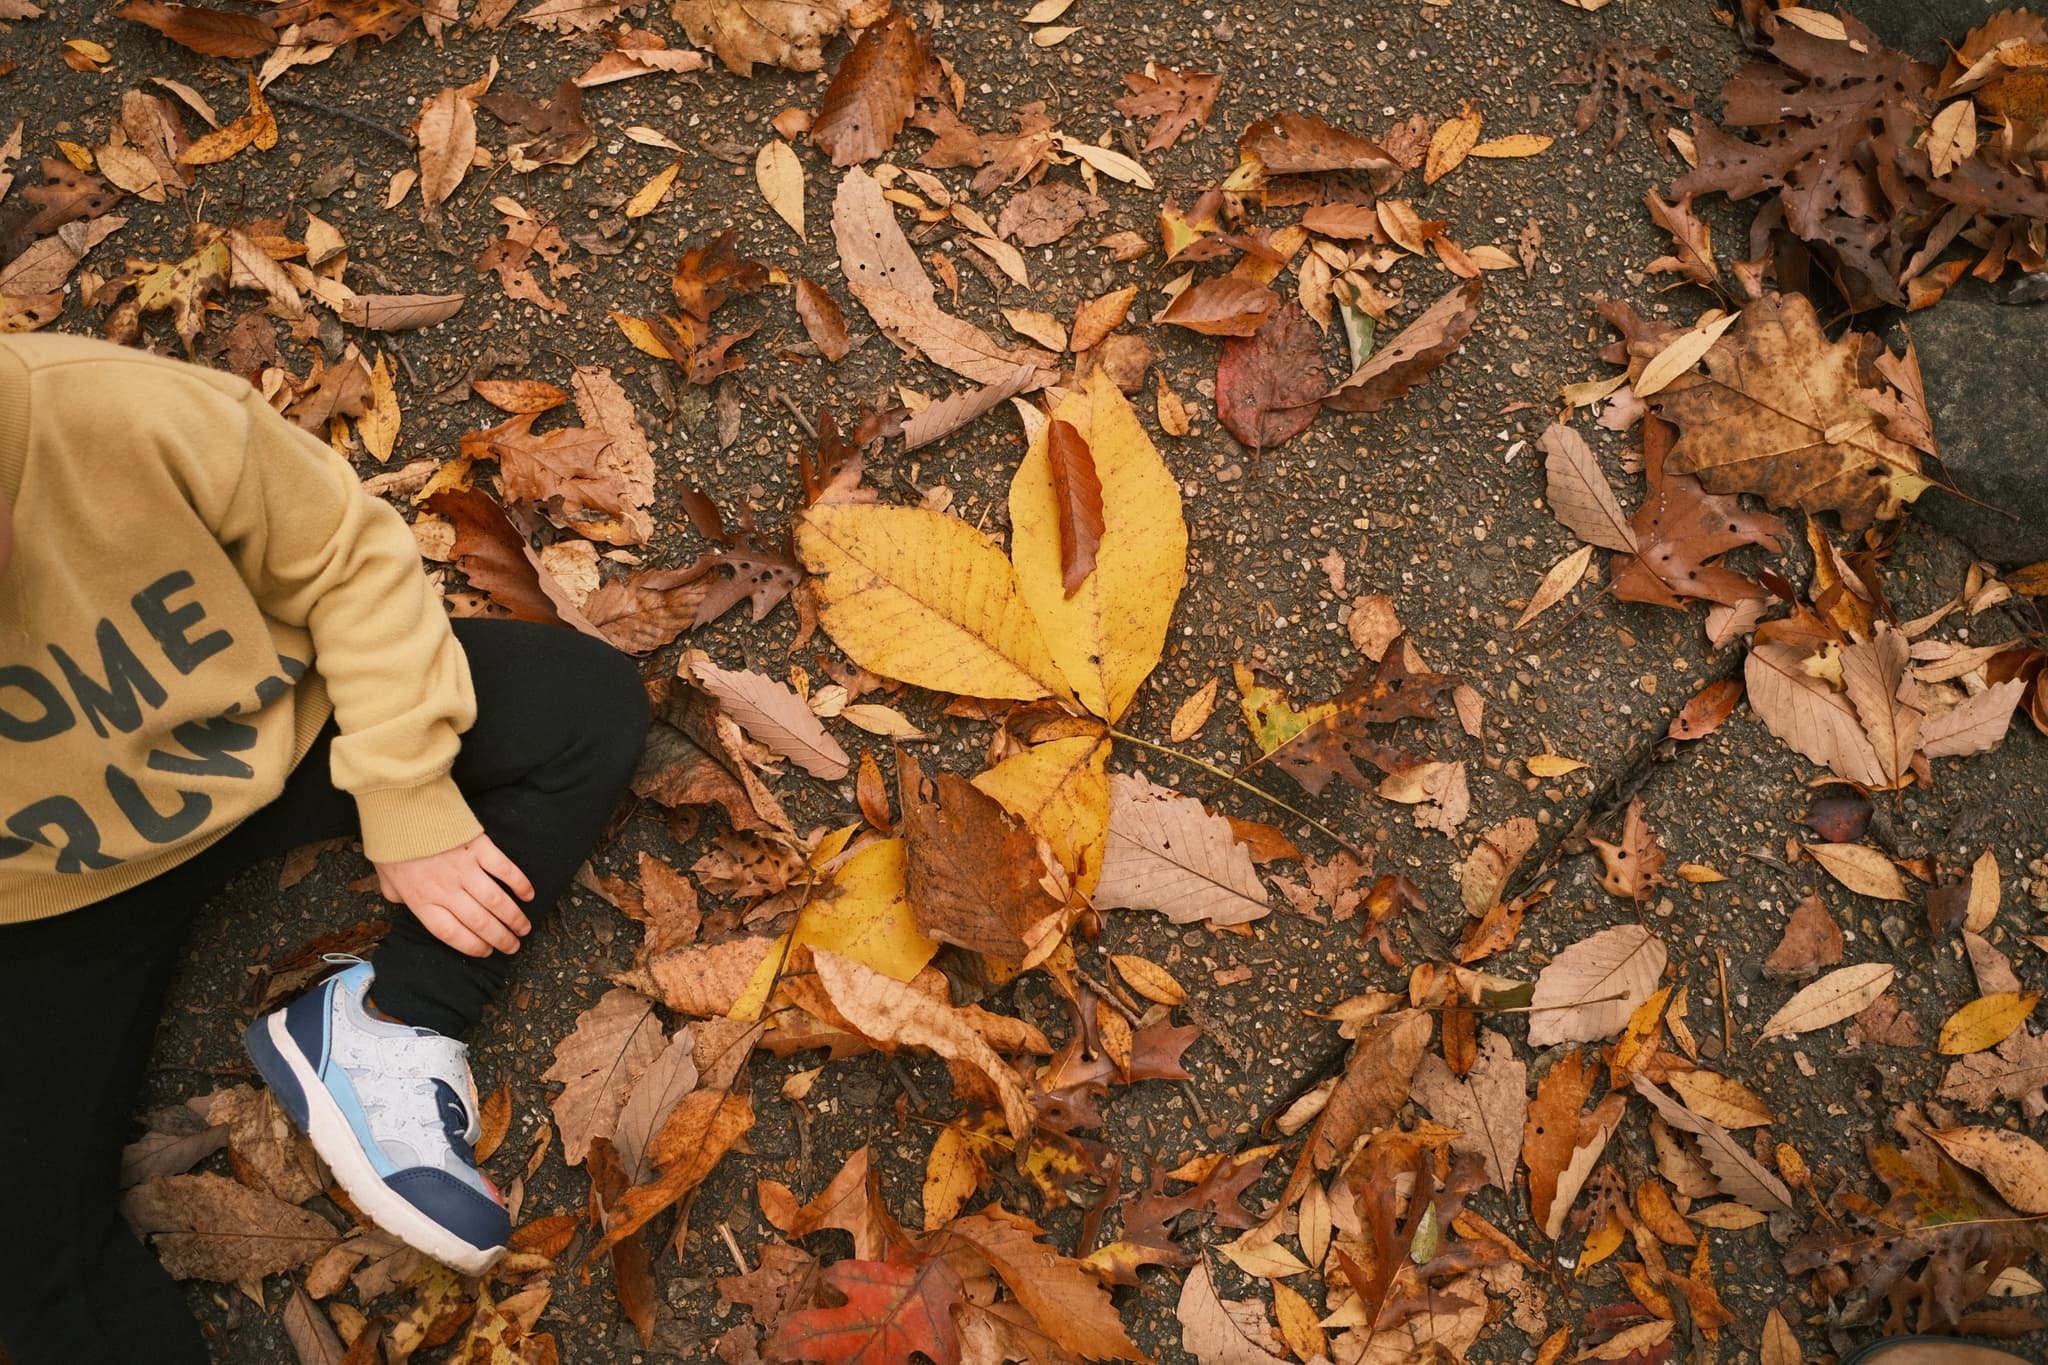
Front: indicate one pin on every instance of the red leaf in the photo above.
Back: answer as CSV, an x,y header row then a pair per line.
x,y
1078,493
892,1308
1270,385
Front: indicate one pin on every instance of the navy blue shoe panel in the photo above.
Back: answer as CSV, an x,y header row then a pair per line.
x,y
463,1210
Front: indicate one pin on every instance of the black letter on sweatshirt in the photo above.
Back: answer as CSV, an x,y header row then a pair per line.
x,y
81,850
172,625
158,829
56,717
214,741
126,677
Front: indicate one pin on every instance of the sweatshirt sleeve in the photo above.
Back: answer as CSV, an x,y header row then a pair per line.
x,y
319,552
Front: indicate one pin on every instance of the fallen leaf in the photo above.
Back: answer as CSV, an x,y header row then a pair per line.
x,y
924,598
785,33
1194,713
1513,145
1552,765
1108,634
2013,1164
1229,306
1630,868
1720,1099
1781,417
1560,1143
1371,1091
1986,1022
597,1063
1270,386
975,873
892,1015
1175,100
1484,874
822,320
872,92
1488,1105
1590,989
1412,354
885,275
1740,1176
1452,142
1149,979
1217,1331
772,714
214,33
1578,492
1166,853
1097,318
1984,893
1812,941
1830,1000
207,1227
1296,143
446,132
1706,710
892,1308
1861,868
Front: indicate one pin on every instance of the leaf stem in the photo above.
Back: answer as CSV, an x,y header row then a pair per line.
x,y
1237,781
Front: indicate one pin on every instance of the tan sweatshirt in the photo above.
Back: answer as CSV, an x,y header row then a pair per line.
x,y
196,586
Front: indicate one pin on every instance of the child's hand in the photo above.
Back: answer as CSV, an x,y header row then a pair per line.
x,y
457,895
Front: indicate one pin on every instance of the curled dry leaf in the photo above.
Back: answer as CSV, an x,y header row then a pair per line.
x,y
890,1015
785,33
1812,941
1077,496
1229,306
1410,357
2012,1163
1740,1176
1295,143
823,322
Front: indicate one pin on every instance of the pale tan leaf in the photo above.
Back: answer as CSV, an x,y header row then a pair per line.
x,y
1589,990
2015,1165
1557,584
1216,1331
1984,893
1973,725
397,312
772,714
1193,713
1720,1099
781,178
1740,1175
891,1015
1681,353
1579,493
1371,1091
1484,874
612,1043
446,130
1885,698
1552,765
1487,1105
885,275
1816,22
1841,993
1861,868
1952,137
660,1088
1781,1345
1166,853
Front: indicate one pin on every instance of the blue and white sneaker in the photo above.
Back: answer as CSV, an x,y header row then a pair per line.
x,y
392,1110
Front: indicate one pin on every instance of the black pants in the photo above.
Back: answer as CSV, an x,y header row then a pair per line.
x,y
560,722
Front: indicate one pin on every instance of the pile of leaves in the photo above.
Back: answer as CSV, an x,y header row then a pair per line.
x,y
1879,164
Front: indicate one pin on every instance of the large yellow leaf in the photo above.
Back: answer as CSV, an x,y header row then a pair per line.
x,y
1061,790
925,599
863,915
1108,636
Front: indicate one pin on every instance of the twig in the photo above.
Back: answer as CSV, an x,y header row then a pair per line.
x,y
1237,781
1110,993
1727,1016
1187,1088
732,1244
794,411
903,1079
278,96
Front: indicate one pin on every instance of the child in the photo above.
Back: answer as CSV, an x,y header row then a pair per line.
x,y
214,646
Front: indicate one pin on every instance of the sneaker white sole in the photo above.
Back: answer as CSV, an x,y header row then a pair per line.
x,y
336,1143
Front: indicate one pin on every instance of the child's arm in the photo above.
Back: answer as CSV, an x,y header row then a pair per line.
x,y
319,552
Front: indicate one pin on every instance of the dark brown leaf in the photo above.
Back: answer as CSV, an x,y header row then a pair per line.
x,y
1408,359
708,277
497,559
1682,531
215,33
872,92
1046,212
1270,386
973,868
1838,816
1077,493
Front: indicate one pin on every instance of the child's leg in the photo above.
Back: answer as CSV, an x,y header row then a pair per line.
x,y
80,994
561,719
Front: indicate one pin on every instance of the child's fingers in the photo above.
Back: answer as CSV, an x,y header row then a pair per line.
x,y
442,924
483,923
494,861
497,901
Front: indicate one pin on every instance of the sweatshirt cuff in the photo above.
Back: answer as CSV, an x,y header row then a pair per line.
x,y
413,822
